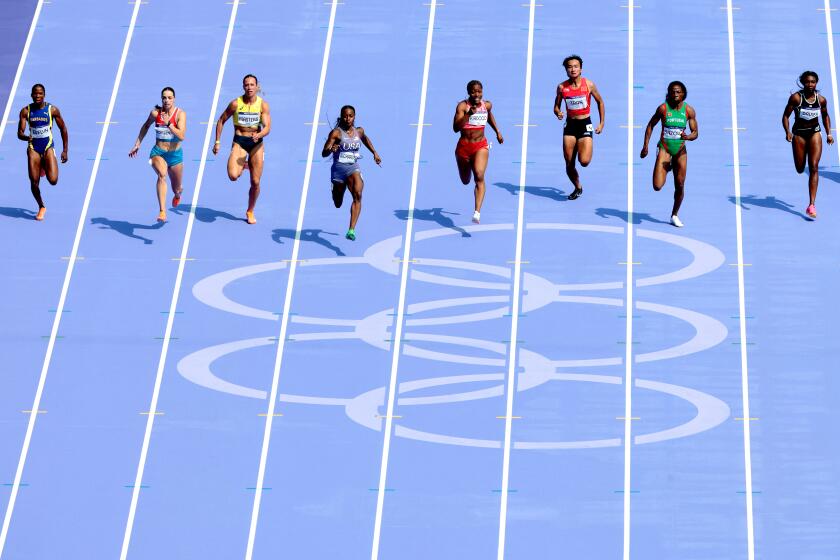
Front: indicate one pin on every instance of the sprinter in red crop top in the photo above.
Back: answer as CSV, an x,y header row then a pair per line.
x,y
472,151
577,92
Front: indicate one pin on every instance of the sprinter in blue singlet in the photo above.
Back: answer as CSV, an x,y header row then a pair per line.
x,y
40,151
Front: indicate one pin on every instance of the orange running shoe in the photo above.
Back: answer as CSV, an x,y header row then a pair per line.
x,y
249,217
176,200
40,215
162,216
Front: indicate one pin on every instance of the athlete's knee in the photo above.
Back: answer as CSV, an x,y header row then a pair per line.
x,y
813,169
255,183
679,185
658,187
52,180
585,162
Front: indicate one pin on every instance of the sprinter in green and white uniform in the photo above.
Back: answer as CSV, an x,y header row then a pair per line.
x,y
675,115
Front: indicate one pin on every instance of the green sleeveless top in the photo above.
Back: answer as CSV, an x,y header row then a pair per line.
x,y
675,124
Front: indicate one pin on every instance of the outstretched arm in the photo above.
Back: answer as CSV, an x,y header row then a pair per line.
x,y
657,117
369,145
226,114
143,130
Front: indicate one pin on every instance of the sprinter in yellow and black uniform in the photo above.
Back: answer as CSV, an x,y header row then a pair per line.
x,y
251,123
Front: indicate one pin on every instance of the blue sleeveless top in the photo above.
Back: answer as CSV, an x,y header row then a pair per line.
x,y
348,152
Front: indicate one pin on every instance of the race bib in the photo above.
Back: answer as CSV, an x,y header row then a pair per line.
x,y
808,114
347,157
672,133
40,132
478,119
163,133
589,128
249,119
576,103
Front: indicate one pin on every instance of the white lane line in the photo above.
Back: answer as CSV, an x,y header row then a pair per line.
x,y
517,278
71,265
832,65
742,314
19,72
405,261
293,265
152,412
628,329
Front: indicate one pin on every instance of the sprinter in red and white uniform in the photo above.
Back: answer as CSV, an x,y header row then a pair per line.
x,y
577,92
472,152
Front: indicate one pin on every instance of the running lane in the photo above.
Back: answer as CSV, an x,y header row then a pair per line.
x,y
324,455
567,457
687,474
453,363
84,450
32,251
205,448
791,288
17,19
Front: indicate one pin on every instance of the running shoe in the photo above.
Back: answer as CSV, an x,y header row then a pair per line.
x,y
249,217
351,234
162,216
476,217
575,194
811,211
40,215
675,221
176,200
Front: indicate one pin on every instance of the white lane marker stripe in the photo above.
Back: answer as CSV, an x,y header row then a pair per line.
x,y
832,64
742,314
293,265
152,413
19,71
405,261
517,273
628,334
71,265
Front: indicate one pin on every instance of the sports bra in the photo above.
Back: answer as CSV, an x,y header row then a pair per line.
x,y
478,120
248,115
162,131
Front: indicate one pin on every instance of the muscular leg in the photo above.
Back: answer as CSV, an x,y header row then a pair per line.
x,y
50,165
176,174
34,167
680,166
355,185
584,150
661,168
464,170
159,167
255,162
814,155
569,153
799,148
479,165
338,190
236,162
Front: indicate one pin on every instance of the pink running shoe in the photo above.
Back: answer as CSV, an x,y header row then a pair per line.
x,y
811,211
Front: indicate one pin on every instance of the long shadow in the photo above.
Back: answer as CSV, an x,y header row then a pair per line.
x,y
436,215
21,213
831,175
310,235
206,215
638,217
770,202
126,228
546,192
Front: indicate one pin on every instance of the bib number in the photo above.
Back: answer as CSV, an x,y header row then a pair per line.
x,y
347,157
809,114
163,133
249,119
40,132
589,128
478,119
672,133
576,103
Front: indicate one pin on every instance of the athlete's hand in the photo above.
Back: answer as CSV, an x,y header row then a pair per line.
x,y
500,139
335,147
216,148
599,128
377,159
644,152
830,139
64,155
134,150
684,136
255,135
559,115
789,136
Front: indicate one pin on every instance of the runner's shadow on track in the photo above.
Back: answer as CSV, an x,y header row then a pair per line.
x,y
207,215
545,192
638,217
311,235
770,202
435,215
21,213
126,228
831,175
